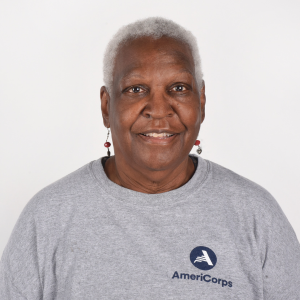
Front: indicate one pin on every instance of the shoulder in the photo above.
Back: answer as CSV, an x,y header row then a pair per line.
x,y
41,223
236,185
50,211
253,207
60,198
76,182
242,194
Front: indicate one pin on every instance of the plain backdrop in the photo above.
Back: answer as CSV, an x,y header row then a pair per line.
x,y
51,73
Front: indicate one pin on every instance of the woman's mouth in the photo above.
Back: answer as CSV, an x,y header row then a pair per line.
x,y
162,138
161,135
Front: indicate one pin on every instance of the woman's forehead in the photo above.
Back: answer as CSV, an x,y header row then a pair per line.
x,y
144,53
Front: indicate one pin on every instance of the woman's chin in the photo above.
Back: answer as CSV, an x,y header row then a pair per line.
x,y
158,161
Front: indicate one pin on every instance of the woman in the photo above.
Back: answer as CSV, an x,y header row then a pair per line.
x,y
152,221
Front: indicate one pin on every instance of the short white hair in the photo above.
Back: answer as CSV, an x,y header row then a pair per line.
x,y
155,27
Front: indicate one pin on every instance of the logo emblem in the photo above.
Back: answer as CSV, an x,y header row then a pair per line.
x,y
203,258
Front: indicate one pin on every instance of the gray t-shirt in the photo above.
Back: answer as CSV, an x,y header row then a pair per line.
x,y
219,236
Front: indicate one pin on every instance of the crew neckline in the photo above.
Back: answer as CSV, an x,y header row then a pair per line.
x,y
142,199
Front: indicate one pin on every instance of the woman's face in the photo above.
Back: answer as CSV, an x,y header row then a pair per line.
x,y
154,109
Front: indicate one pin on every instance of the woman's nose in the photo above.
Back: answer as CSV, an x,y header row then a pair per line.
x,y
158,106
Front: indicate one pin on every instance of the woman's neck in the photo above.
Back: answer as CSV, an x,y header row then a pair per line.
x,y
149,182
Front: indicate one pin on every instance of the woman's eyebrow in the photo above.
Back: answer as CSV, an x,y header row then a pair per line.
x,y
129,75
184,70
131,72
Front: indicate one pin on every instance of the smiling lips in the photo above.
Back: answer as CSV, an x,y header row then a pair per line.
x,y
158,138
161,135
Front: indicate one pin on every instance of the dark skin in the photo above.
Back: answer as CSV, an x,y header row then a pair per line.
x,y
155,110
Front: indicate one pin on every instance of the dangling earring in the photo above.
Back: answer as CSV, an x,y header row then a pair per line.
x,y
199,150
107,144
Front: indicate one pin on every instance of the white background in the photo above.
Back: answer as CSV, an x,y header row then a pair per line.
x,y
51,72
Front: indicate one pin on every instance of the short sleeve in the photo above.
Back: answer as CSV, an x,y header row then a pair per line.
x,y
281,266
19,271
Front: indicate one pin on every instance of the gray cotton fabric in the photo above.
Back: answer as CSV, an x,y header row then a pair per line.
x,y
219,236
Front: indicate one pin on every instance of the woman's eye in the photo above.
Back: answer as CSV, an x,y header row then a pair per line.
x,y
135,89
179,88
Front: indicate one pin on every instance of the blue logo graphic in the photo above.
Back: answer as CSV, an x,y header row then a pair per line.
x,y
203,258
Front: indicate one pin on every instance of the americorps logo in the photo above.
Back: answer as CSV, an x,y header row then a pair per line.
x,y
203,258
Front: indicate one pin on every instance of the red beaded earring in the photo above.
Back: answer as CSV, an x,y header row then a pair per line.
x,y
107,144
199,150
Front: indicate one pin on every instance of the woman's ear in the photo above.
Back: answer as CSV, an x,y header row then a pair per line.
x,y
202,101
105,103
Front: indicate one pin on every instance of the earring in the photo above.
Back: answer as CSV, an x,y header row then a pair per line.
x,y
107,144
199,150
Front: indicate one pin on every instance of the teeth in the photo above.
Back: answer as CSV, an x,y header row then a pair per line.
x,y
154,134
